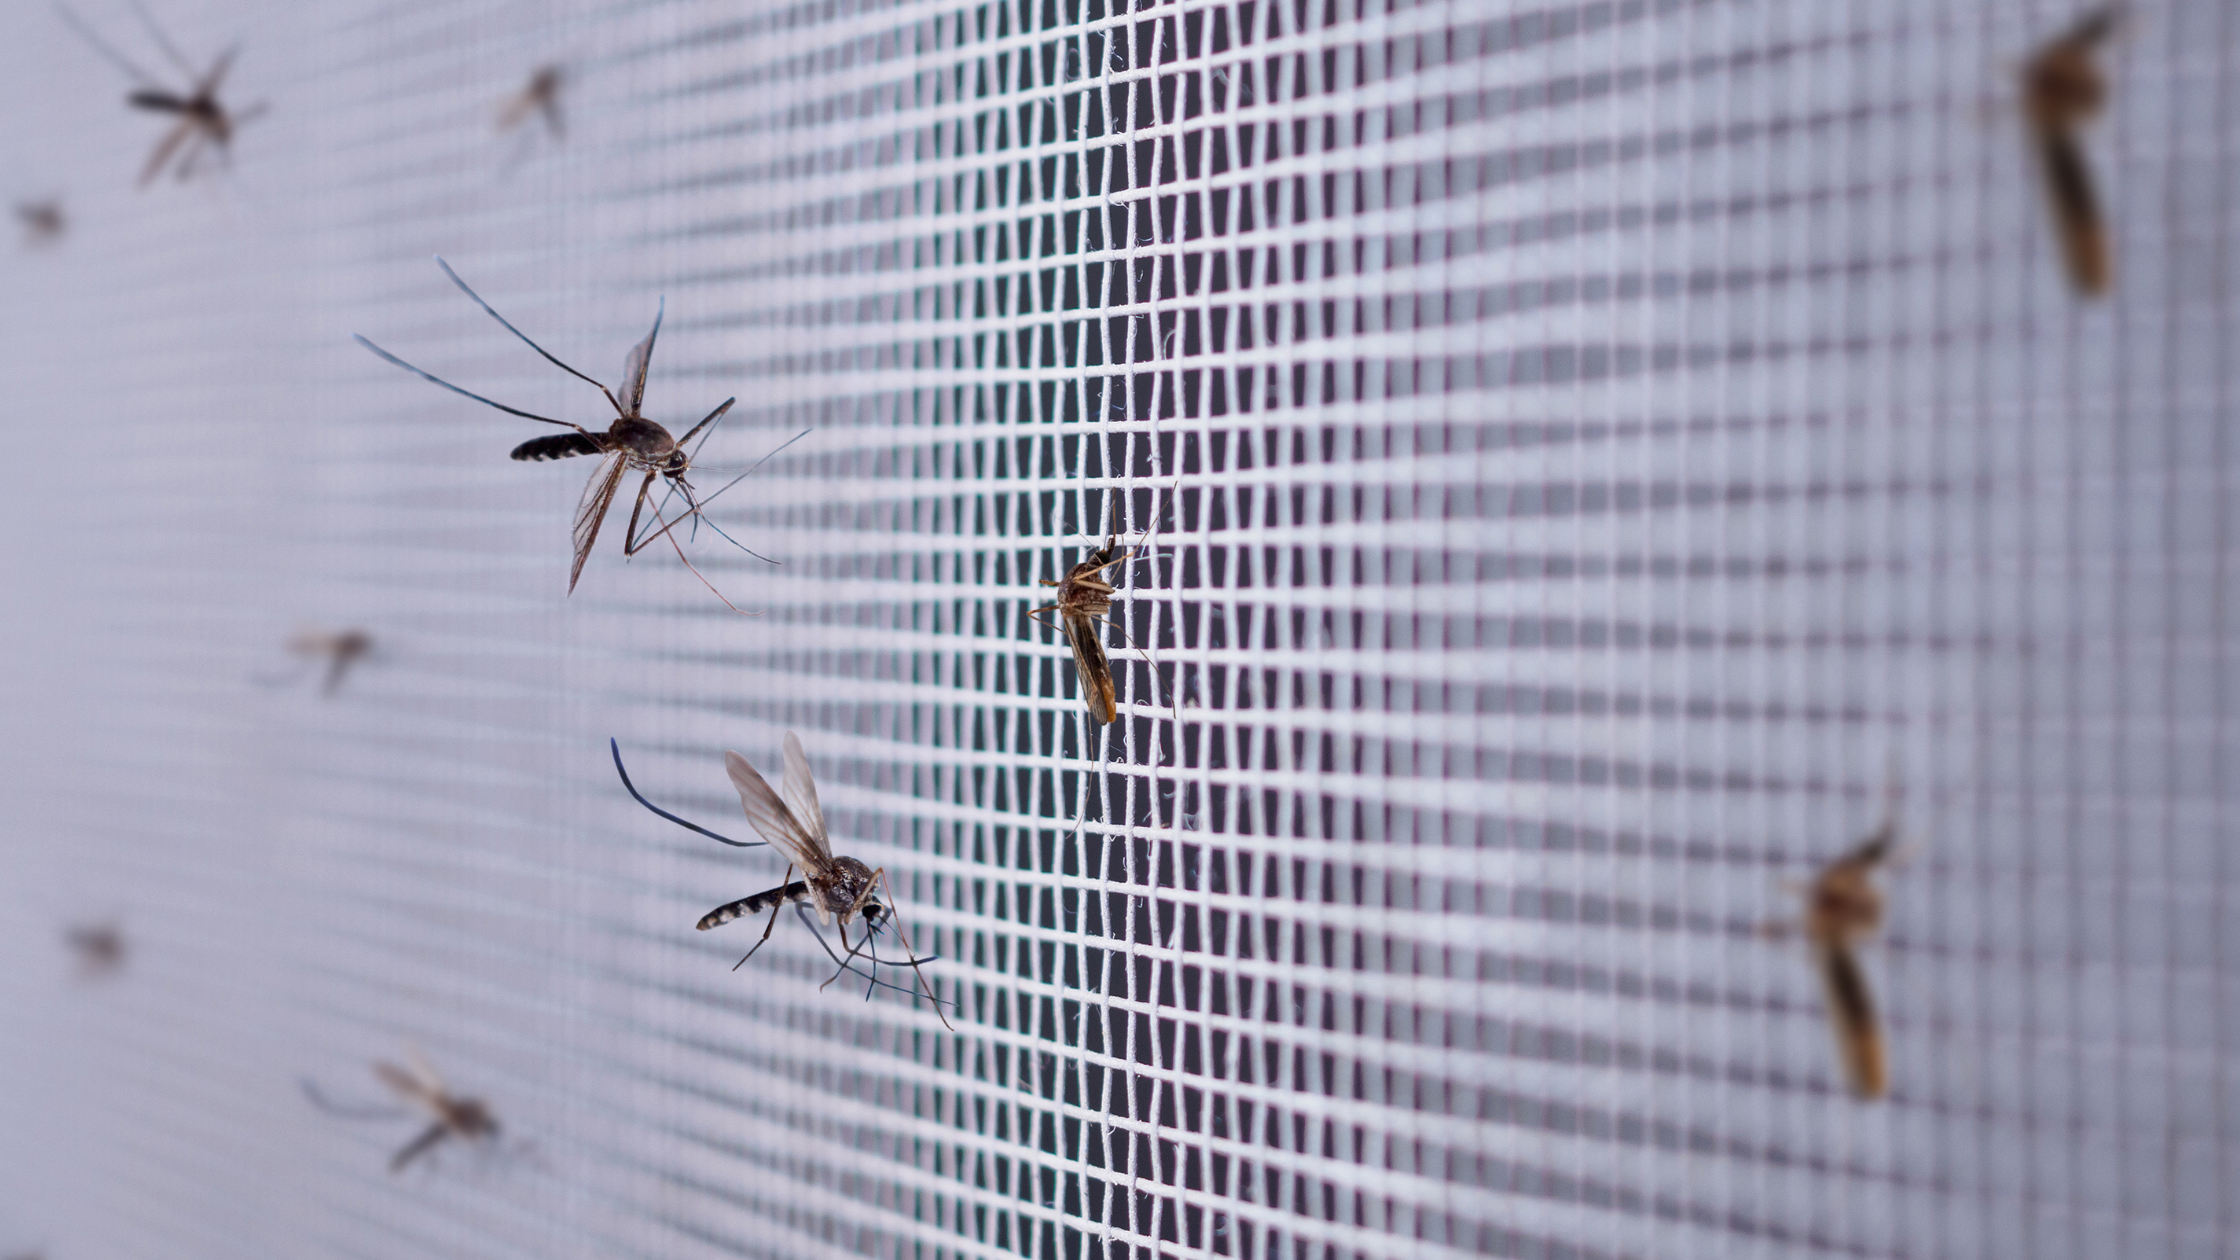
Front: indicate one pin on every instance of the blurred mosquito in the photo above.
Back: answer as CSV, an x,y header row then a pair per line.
x,y
100,949
1843,908
467,1119
2062,89
340,649
43,221
839,887
541,96
631,443
204,123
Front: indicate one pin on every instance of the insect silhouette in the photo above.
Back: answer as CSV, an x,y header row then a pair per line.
x,y
100,949
2062,89
43,221
1083,596
1842,908
205,125
841,888
450,1116
541,96
340,649
631,443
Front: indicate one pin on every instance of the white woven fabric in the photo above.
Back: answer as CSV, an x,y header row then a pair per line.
x,y
1581,464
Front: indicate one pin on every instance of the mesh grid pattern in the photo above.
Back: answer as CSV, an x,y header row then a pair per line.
x,y
1581,465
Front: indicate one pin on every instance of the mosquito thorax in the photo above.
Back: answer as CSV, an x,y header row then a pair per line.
x,y
648,444
845,886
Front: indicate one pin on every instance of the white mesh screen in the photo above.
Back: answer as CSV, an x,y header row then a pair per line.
x,y
1583,462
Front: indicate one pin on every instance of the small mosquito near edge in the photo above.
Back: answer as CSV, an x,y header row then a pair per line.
x,y
466,1119
2062,89
541,96
834,887
43,222
631,443
100,949
204,122
340,649
1842,908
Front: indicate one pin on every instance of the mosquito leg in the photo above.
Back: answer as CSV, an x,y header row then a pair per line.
x,y
644,488
767,926
802,912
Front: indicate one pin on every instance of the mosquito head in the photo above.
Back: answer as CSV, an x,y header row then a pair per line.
x,y
874,914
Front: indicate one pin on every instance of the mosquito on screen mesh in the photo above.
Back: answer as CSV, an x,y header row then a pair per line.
x,y
541,97
834,887
466,1119
1843,908
2062,89
204,122
1083,596
631,443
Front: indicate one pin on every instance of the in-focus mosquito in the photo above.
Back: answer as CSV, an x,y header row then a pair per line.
x,y
204,122
100,949
2062,89
1083,596
467,1119
1843,908
834,887
43,221
541,96
631,443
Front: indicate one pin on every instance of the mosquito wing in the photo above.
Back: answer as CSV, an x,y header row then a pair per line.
x,y
774,820
216,78
1095,667
1851,1017
407,1085
633,391
592,510
801,795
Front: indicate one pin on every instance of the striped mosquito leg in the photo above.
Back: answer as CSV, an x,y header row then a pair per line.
x,y
754,905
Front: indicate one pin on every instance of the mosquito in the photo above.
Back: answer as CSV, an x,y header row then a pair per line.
x,y
631,443
1842,908
43,221
2062,89
340,649
100,949
840,888
467,1119
1083,595
204,122
541,96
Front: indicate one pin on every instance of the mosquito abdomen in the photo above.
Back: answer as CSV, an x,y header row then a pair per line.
x,y
558,446
752,905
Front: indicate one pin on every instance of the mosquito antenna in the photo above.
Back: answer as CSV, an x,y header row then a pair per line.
x,y
549,357
101,46
432,378
322,1102
666,527
163,41
802,911
616,748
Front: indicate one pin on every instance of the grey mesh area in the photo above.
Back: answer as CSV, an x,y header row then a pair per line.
x,y
1581,469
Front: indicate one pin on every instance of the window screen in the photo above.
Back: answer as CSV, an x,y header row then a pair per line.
x,y
1581,468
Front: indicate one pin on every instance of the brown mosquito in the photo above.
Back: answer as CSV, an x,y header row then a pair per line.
x,y
450,1116
631,443
1843,908
340,649
100,949
1084,595
541,96
841,888
43,221
205,125
2062,89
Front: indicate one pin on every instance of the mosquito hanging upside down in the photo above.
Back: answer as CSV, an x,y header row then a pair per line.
x,y
834,887
631,443
1843,908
